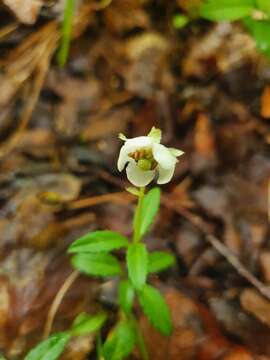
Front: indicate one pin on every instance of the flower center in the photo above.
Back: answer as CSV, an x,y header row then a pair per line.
x,y
144,158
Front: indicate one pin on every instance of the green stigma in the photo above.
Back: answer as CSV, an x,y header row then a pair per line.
x,y
145,164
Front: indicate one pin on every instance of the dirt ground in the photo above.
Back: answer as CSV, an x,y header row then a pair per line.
x,y
129,69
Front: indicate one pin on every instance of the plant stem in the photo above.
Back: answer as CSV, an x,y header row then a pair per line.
x,y
99,347
66,32
138,217
140,339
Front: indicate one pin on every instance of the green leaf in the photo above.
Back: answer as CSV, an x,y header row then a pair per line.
x,y
120,342
149,210
66,31
2,358
97,264
126,296
179,21
156,309
158,261
226,10
49,349
85,324
137,262
264,5
260,30
99,241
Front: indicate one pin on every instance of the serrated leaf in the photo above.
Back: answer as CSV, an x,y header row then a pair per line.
x,y
156,309
150,207
137,262
120,342
226,10
158,261
99,264
99,241
85,324
260,30
126,296
49,349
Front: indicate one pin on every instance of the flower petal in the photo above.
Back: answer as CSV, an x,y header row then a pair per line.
x,y
176,152
155,134
163,156
165,175
132,145
137,176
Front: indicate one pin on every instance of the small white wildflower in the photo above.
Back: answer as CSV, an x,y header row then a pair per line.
x,y
146,157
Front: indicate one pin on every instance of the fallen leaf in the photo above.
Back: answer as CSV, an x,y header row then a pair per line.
x,y
265,264
265,102
255,304
25,10
239,354
125,15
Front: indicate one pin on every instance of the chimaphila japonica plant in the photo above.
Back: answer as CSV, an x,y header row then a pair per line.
x,y
145,159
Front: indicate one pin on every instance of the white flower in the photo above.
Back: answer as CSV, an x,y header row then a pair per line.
x,y
146,157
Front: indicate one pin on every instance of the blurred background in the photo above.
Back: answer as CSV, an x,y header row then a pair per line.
x,y
132,65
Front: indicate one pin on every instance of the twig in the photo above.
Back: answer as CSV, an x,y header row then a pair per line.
x,y
219,246
242,270
57,301
119,197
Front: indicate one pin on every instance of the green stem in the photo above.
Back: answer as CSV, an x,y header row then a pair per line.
x,y
66,32
99,347
138,217
140,339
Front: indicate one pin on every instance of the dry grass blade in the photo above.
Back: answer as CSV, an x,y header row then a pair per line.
x,y
119,197
32,63
57,301
6,30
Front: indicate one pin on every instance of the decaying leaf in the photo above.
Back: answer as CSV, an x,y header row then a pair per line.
x,y
265,103
25,10
256,305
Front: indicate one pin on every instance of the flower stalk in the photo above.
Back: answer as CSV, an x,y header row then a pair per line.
x,y
138,216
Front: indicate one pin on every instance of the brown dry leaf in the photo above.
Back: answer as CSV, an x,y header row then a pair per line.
x,y
239,354
78,97
232,237
147,70
38,142
255,304
5,299
223,48
204,139
126,15
109,124
213,200
264,259
58,187
265,102
25,10
204,144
